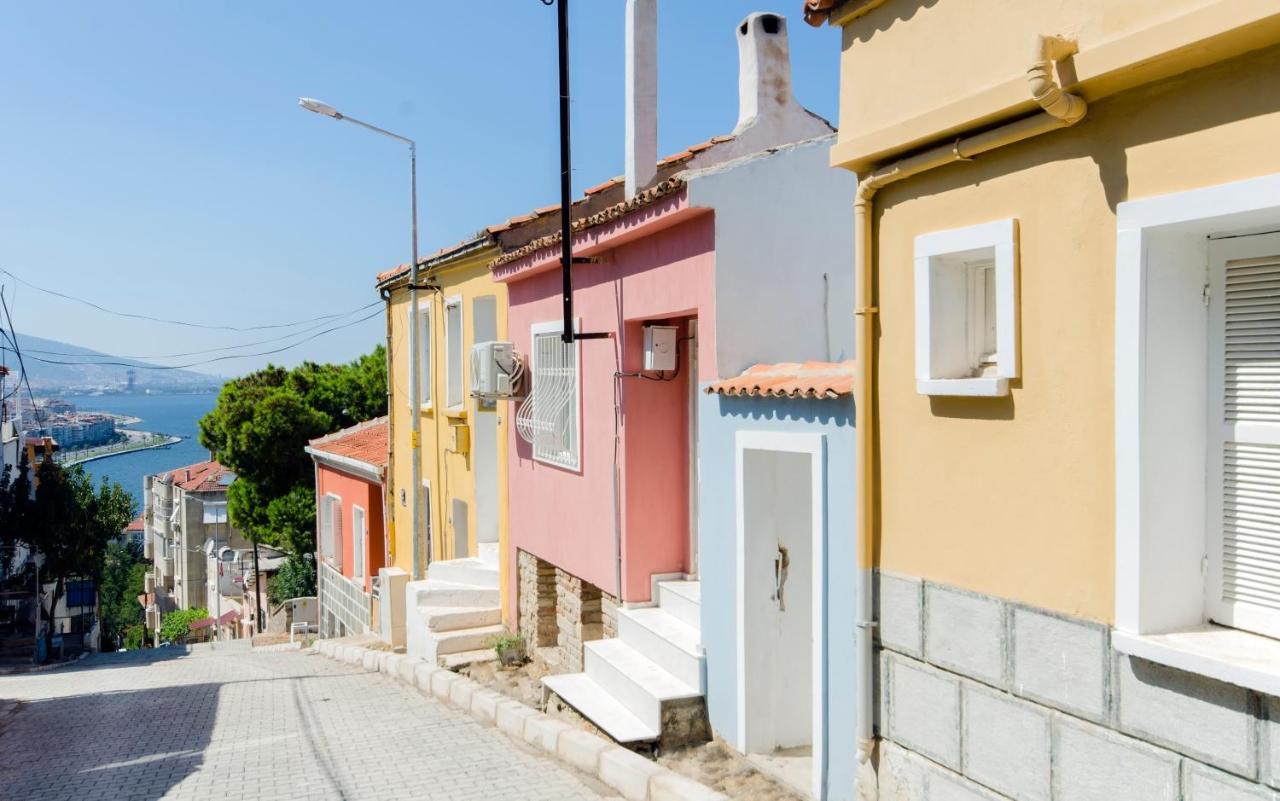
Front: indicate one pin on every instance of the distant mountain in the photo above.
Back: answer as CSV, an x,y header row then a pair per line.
x,y
109,377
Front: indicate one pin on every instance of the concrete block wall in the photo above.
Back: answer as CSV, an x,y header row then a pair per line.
x,y
983,699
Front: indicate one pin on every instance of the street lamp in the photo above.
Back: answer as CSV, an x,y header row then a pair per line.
x,y
415,380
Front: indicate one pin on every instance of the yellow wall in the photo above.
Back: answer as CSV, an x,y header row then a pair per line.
x,y
451,474
1015,496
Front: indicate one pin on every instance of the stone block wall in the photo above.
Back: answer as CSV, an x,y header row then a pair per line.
x,y
579,618
536,601
983,699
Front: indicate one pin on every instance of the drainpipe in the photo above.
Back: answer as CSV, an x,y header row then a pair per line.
x,y
388,510
1060,110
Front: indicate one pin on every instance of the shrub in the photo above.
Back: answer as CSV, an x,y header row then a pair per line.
x,y
135,637
295,579
177,625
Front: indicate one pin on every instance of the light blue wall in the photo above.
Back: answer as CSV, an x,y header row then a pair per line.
x,y
719,419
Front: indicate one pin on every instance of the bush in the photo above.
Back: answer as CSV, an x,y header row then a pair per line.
x,y
295,579
135,637
177,625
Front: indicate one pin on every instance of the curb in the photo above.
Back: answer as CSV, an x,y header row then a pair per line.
x,y
46,667
633,776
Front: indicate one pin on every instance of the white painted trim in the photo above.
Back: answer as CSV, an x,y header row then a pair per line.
x,y
426,376
1000,240
455,301
1248,206
362,564
815,446
347,465
1230,655
557,326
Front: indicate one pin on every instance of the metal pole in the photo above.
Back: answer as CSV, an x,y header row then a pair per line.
x,y
566,175
36,656
257,591
421,540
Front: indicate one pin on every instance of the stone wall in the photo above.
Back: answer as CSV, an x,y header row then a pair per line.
x,y
578,618
988,700
536,601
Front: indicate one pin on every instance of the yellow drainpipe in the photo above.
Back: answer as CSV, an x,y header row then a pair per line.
x,y
1060,110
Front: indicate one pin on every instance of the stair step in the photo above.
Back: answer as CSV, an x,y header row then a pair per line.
x,y
459,640
473,572
636,681
584,694
682,599
451,618
665,639
448,593
465,658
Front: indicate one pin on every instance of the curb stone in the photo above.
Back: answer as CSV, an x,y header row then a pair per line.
x,y
633,776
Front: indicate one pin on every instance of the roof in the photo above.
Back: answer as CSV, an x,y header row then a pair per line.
x,y
820,380
138,524
201,477
364,442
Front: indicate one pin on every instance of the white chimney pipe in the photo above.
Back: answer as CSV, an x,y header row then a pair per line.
x,y
641,95
764,70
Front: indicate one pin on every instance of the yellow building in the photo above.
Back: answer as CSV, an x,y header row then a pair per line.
x,y
1069,327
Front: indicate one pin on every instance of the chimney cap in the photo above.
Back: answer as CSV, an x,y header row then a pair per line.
x,y
767,22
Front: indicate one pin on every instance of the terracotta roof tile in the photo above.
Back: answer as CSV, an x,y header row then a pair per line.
x,y
790,380
817,11
201,477
139,523
364,442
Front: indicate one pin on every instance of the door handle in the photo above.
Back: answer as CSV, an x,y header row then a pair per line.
x,y
781,563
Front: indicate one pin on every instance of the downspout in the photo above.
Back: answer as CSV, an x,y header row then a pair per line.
x,y
1060,110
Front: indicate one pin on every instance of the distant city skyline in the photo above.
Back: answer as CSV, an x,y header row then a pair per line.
x,y
159,164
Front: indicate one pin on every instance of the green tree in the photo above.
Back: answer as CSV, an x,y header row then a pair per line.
x,y
177,624
295,579
123,580
260,428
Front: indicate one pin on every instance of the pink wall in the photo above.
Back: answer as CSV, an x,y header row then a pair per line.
x,y
659,265
368,496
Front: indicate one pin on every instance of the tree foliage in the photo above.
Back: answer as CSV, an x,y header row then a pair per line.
x,y
260,428
123,580
177,624
295,579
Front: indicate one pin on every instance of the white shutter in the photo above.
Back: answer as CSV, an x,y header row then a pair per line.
x,y
357,541
336,516
1244,469
326,528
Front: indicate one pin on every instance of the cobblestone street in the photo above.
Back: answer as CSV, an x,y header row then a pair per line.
x,y
234,724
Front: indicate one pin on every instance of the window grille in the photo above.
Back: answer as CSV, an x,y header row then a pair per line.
x,y
548,418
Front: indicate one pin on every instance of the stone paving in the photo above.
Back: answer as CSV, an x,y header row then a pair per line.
x,y
231,724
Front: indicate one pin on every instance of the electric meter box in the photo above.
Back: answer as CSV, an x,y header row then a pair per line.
x,y
660,343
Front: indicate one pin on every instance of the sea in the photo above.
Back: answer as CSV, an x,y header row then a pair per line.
x,y
177,415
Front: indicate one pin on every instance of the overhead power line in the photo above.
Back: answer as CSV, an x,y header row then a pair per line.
x,y
17,351
184,323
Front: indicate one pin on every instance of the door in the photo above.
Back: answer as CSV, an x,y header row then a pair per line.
x,y
781,618
1243,544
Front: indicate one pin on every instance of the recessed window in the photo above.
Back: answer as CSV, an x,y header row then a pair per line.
x,y
424,354
549,418
453,353
966,310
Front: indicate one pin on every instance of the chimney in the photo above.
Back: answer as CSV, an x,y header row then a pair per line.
x,y
764,70
641,95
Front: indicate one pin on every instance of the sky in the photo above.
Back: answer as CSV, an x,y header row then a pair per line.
x,y
156,162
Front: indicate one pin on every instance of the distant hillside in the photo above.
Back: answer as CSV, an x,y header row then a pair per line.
x,y
44,376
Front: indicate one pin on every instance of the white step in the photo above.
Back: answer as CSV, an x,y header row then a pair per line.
x,y
666,640
581,692
466,658
635,681
447,593
473,572
458,640
488,553
450,618
682,599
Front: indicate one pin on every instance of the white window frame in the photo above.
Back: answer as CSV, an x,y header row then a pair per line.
x,y
948,324
331,528
359,535
425,378
1161,440
452,385
557,327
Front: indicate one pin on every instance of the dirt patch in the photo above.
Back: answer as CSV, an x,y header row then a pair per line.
x,y
713,764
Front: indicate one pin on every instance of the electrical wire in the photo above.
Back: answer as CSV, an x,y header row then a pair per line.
x,y
184,323
17,351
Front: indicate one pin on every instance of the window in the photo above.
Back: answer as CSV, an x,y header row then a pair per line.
x,y
453,353
966,310
331,529
357,541
549,418
424,354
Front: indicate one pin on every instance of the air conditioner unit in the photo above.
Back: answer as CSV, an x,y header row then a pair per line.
x,y
496,370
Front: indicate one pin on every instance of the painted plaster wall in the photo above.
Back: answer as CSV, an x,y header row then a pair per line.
x,y
1014,496
564,516
720,419
773,303
905,58
355,492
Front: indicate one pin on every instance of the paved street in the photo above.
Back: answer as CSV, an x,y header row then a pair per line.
x,y
235,724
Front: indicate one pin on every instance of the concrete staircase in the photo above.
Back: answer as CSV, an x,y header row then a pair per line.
x,y
647,684
453,616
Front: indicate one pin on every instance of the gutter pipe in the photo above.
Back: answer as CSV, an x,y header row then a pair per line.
x,y
1060,109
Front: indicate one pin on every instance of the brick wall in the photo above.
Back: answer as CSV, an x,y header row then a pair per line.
x,y
536,601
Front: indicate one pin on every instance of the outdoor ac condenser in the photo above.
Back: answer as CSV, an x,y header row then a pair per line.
x,y
496,370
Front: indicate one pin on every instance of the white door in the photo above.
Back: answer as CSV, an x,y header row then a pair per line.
x,y
1244,433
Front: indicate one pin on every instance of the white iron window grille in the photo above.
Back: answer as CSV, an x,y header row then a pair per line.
x,y
548,418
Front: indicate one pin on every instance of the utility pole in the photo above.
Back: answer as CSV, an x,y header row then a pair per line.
x,y
257,592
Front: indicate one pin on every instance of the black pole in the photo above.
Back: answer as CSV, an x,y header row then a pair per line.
x,y
257,591
566,175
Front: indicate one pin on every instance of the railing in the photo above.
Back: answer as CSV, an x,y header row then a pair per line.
x,y
344,600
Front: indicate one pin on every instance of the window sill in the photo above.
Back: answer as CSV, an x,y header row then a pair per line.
x,y
967,387
459,412
1230,655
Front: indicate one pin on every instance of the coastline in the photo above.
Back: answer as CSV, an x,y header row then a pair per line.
x,y
140,441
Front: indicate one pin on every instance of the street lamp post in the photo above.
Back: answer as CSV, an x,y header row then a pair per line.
x,y
415,380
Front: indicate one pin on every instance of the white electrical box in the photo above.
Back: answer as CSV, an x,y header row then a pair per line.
x,y
496,369
660,343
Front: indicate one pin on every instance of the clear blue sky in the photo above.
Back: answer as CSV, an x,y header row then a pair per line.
x,y
155,159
